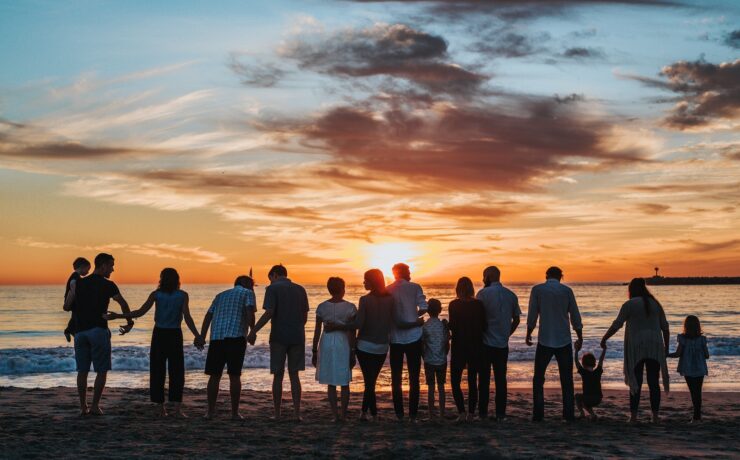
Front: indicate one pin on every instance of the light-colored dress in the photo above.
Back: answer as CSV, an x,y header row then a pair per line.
x,y
693,361
332,367
643,338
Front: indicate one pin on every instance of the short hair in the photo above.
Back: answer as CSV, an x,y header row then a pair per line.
x,y
103,259
554,272
244,280
465,288
589,360
335,285
278,270
401,270
80,262
491,274
434,307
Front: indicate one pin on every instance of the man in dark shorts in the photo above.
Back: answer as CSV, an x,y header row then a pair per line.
x,y
286,306
231,315
91,297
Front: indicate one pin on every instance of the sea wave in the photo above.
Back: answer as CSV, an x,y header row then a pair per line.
x,y
20,361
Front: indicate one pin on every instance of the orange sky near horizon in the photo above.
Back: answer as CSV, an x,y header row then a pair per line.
x,y
601,137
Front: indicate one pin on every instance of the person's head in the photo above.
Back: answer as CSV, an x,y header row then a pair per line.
x,y
104,264
554,273
638,288
336,287
434,308
81,266
588,360
374,281
464,288
491,275
169,280
402,271
692,326
244,281
277,272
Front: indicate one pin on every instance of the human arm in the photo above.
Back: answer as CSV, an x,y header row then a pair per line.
x,y
421,301
706,348
316,338
677,353
664,328
70,299
575,318
188,317
264,319
145,307
601,358
577,361
616,325
532,314
125,309
204,328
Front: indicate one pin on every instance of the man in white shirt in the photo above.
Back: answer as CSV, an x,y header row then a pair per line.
x,y
555,305
502,318
406,332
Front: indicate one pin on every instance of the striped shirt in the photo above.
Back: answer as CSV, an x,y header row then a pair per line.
x,y
228,309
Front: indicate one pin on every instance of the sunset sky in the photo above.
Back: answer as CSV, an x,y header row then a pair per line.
x,y
334,136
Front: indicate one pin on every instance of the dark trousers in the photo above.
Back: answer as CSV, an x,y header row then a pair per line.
x,y
166,356
496,358
695,384
412,351
456,370
370,364
542,358
653,377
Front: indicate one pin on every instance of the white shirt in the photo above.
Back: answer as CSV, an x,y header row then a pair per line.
x,y
501,305
554,303
410,304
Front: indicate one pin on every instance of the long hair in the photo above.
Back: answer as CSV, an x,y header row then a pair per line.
x,y
376,280
464,288
638,288
169,280
692,327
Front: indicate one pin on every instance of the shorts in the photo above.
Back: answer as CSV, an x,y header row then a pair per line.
x,y
93,346
230,352
295,354
437,371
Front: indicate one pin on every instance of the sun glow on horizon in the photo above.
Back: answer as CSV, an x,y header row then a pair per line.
x,y
385,255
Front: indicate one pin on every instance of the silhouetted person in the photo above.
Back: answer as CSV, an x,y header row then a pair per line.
x,y
646,340
467,324
230,316
374,322
410,304
81,267
333,354
286,308
555,305
436,342
692,354
91,297
166,354
502,312
590,373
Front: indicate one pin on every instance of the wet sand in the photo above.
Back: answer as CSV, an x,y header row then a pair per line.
x,y
44,423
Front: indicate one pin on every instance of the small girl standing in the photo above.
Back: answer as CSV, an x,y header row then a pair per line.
x,y
692,354
333,350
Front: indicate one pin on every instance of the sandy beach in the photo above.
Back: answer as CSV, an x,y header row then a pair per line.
x,y
43,423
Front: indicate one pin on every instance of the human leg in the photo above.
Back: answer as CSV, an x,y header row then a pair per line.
x,y
564,357
542,358
413,361
396,378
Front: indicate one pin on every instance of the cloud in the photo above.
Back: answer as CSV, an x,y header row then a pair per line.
x,y
700,247
497,146
159,250
583,53
389,50
508,44
707,93
260,74
652,208
732,39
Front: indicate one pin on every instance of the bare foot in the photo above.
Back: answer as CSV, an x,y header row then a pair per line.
x,y
180,414
632,419
237,417
161,411
209,416
462,417
84,411
95,410
656,419
363,417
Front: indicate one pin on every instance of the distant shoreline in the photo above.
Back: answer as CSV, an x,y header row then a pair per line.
x,y
691,280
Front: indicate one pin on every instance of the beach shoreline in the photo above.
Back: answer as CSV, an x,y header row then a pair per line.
x,y
42,422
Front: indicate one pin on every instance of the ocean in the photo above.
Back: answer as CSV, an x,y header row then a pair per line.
x,y
34,353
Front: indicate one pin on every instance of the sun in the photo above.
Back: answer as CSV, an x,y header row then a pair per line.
x,y
385,255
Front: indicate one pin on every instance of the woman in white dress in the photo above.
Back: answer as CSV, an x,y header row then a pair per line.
x,y
333,351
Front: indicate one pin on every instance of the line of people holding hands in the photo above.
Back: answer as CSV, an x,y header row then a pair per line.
x,y
388,320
